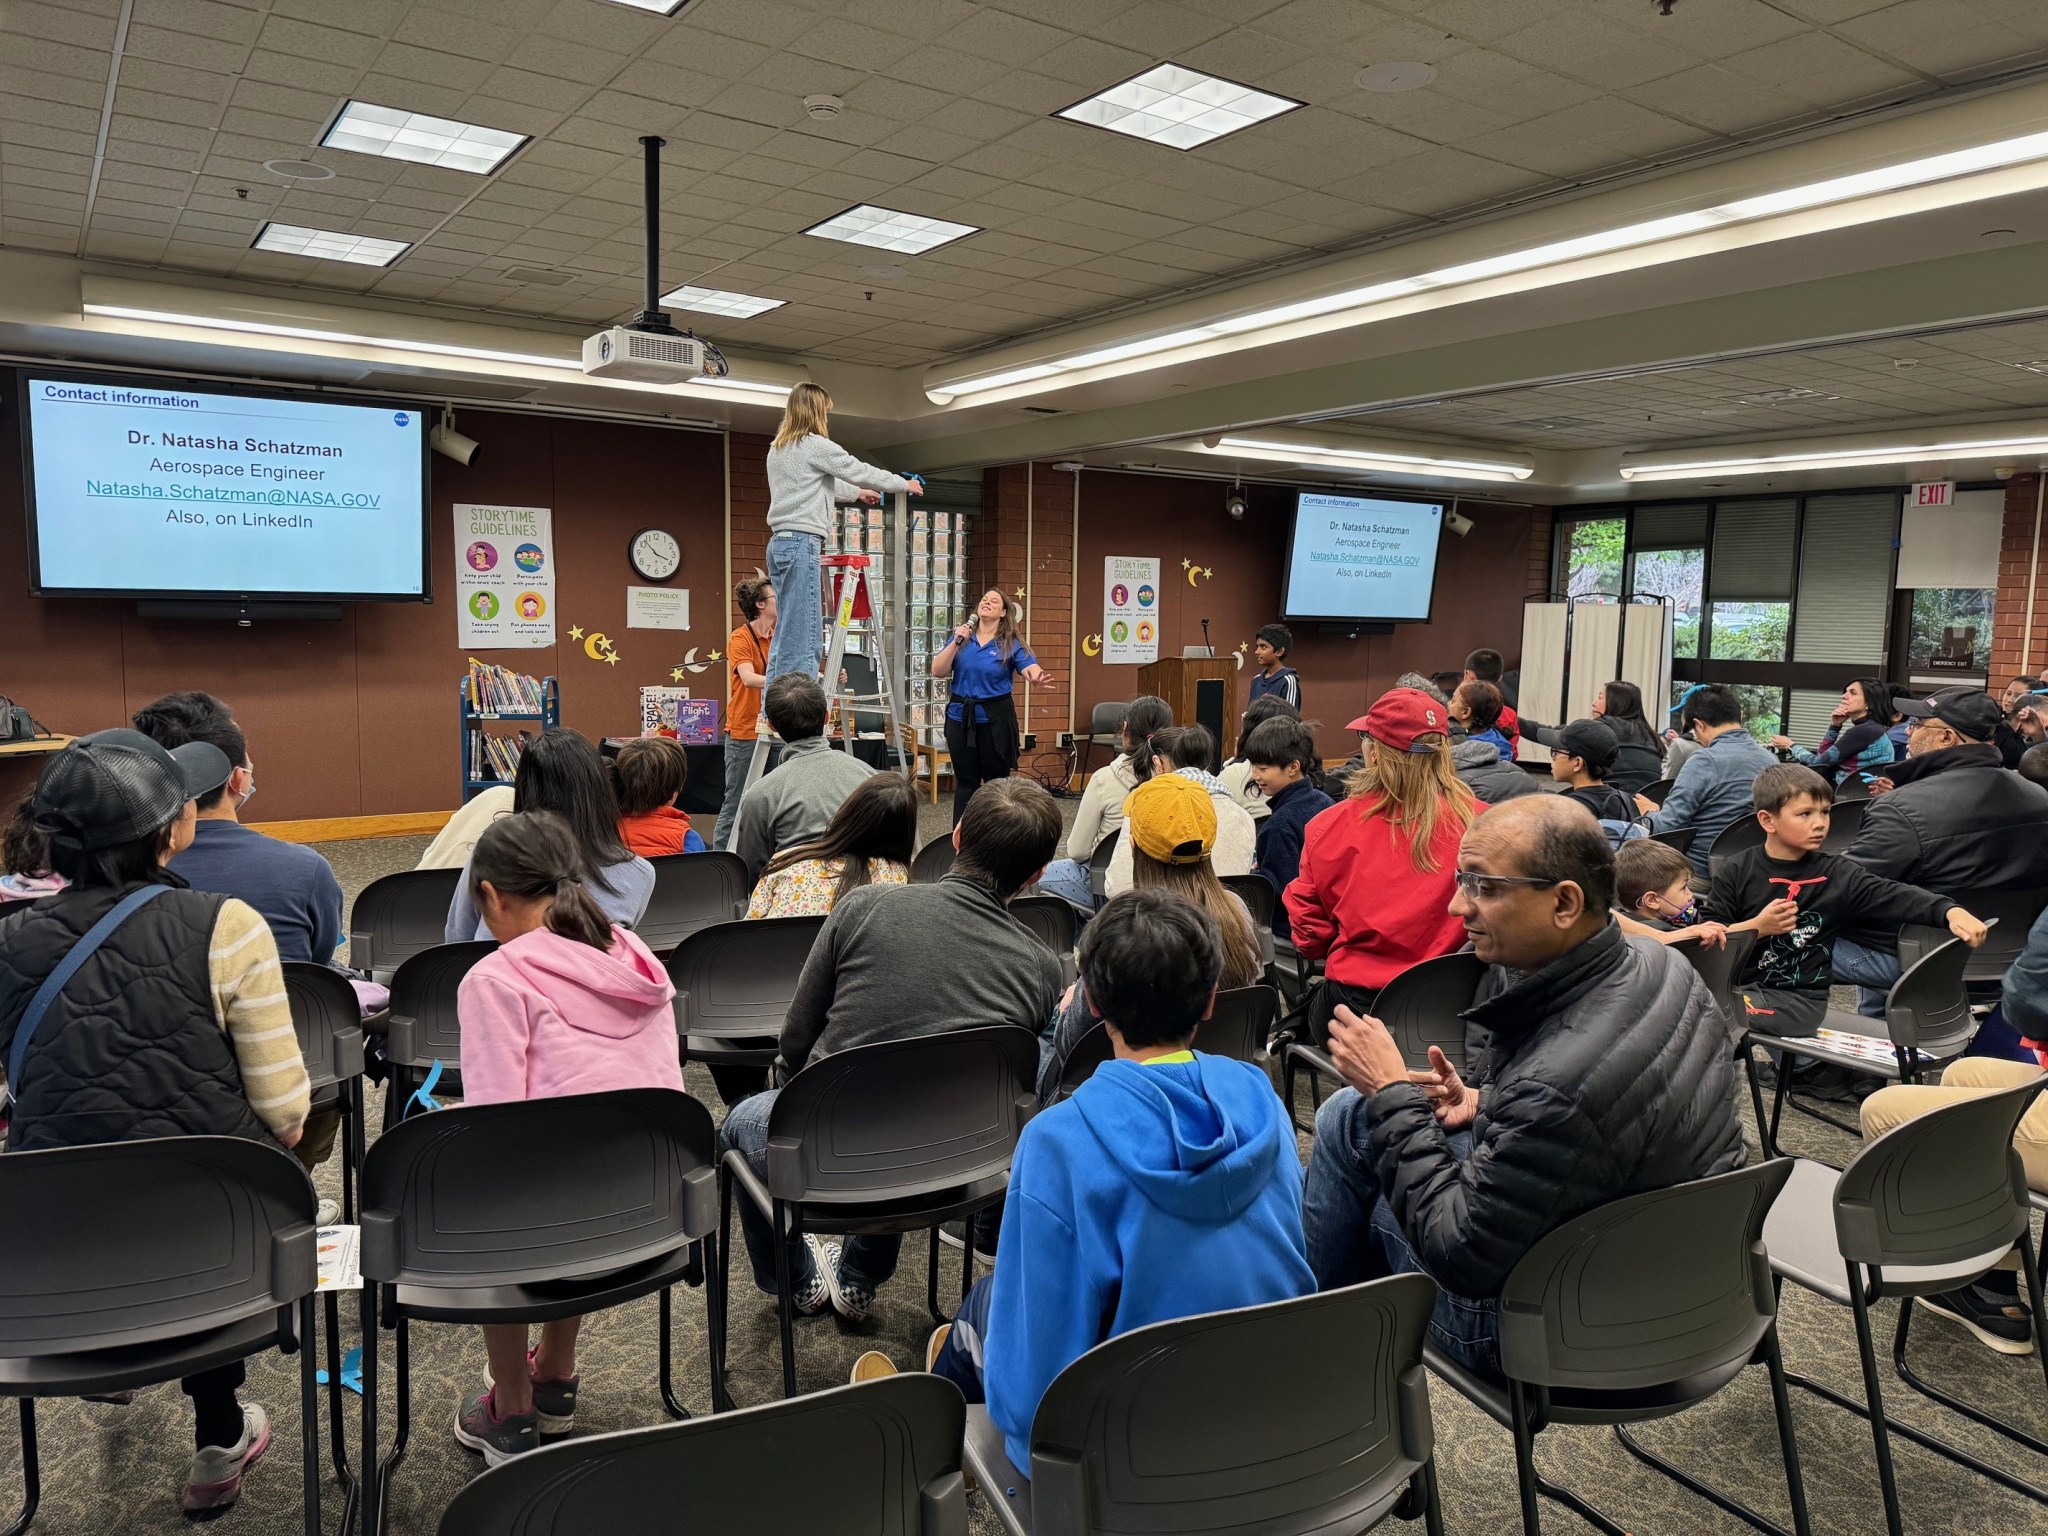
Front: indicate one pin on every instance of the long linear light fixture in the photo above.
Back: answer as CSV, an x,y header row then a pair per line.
x,y
1450,464
1376,301
1991,440
755,391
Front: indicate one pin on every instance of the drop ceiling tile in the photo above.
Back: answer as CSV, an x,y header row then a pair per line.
x,y
1320,24
1090,65
1478,21
1942,37
1509,86
155,107
1719,100
43,56
59,24
1819,68
50,114
325,44
851,45
928,144
1004,161
1006,38
772,22
951,71
28,158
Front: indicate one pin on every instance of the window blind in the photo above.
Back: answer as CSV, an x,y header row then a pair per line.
x,y
1807,719
1845,579
1751,559
1670,528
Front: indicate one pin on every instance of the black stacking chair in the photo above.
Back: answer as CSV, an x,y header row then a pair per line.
x,y
882,1138
1718,968
1238,1028
138,1262
734,982
1051,919
1656,791
1105,729
1740,835
328,1021
691,891
1327,1427
1679,838
879,1459
2011,915
932,862
421,1024
1098,865
397,916
1421,1007
1638,1310
1845,822
526,1212
1928,1207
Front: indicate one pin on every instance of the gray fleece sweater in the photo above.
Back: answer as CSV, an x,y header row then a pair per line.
x,y
796,800
807,476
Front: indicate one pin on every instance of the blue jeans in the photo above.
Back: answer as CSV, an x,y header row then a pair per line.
x,y
1352,1234
1069,878
960,1357
864,1260
793,565
739,756
1873,970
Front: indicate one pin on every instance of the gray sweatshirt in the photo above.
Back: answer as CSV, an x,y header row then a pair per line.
x,y
796,800
806,477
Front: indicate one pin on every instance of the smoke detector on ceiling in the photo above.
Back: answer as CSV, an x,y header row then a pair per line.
x,y
1397,75
299,170
823,109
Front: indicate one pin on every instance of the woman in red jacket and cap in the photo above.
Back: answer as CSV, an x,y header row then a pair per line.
x,y
1374,892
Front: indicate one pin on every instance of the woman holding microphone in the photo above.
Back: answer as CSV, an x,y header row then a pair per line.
x,y
981,719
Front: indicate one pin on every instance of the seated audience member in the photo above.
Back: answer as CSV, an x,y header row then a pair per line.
x,y
1638,755
1800,899
1188,750
561,771
1274,678
1484,666
1101,812
2030,720
649,775
1653,884
1605,1072
1991,1306
1579,759
1444,683
1858,738
176,1025
567,1003
895,963
1281,753
290,885
1476,709
2009,697
1374,886
1712,788
2033,767
451,846
25,873
868,842
1172,831
1236,776
1956,822
1490,777
796,799
1167,1186
1679,743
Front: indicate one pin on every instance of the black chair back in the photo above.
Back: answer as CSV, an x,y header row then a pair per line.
x,y
133,1243
691,891
1844,823
1718,968
1648,1290
397,916
879,1459
1421,1007
328,1021
1657,791
1256,892
1679,838
1128,1437
423,1027
1928,1008
1743,833
1943,1188
1051,919
538,1190
2012,913
932,862
734,981
1238,1028
903,1119
1098,864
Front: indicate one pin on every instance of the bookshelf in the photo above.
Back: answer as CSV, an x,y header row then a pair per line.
x,y
490,694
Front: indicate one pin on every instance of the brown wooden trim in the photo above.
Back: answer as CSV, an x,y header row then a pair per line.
x,y
334,829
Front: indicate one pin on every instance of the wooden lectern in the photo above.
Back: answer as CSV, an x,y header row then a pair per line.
x,y
1199,690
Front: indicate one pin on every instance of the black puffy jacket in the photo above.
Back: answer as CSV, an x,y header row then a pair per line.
x,y
1607,1073
1478,764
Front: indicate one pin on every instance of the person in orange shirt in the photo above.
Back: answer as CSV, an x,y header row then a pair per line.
x,y
649,775
747,656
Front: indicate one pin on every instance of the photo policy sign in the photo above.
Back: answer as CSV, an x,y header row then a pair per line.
x,y
1130,610
504,577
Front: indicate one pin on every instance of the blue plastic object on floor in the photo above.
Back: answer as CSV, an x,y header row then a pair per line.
x,y
351,1372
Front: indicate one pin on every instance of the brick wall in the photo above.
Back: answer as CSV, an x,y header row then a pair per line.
x,y
2012,649
749,470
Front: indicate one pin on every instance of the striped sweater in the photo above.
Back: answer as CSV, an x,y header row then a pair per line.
x,y
249,1003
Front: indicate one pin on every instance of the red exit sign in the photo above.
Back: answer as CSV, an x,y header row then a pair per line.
x,y
1935,493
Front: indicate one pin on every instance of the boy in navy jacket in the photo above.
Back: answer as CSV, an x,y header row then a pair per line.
x,y
1167,1186
1282,753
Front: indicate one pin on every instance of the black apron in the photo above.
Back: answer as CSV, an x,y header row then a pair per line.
x,y
1002,728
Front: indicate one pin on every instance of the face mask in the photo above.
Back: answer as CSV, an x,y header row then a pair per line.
x,y
249,793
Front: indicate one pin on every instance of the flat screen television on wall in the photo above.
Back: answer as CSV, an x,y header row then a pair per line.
x,y
139,488
1361,558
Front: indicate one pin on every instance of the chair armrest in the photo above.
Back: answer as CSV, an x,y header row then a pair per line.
x,y
1005,1491
741,1172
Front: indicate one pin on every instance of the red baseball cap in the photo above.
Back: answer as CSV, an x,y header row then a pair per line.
x,y
1400,716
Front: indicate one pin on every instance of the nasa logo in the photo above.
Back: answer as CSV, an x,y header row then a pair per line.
x,y
401,419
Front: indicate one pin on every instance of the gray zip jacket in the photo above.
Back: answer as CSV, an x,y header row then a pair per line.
x,y
806,477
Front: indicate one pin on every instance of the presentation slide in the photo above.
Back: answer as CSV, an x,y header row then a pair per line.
x,y
1359,557
168,491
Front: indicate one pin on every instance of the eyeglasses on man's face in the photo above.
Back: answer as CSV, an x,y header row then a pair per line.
x,y
1478,887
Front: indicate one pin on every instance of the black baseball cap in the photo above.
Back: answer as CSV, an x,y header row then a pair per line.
x,y
118,786
1969,712
1590,739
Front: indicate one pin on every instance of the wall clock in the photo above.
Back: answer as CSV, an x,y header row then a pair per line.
x,y
655,553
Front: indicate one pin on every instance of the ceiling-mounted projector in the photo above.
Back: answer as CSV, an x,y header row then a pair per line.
x,y
643,357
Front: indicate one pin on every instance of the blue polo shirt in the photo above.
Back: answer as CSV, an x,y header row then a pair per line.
x,y
984,672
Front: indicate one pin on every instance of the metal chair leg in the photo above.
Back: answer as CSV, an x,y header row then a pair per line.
x,y
1525,1460
931,1276
721,1396
716,1260
337,1445
1765,1127
1788,1443
669,1400
372,1502
309,1412
1947,1400
785,1300
31,1471
1887,1478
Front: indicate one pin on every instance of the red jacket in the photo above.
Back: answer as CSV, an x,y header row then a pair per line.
x,y
1360,903
663,830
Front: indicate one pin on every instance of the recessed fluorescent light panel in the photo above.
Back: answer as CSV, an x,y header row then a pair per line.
x,y
1180,108
396,134
659,7
911,233
329,245
1773,458
716,301
1450,465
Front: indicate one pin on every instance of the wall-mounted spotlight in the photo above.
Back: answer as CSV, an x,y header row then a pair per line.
x,y
451,444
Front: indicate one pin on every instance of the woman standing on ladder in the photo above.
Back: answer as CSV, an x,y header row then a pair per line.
x,y
807,474
981,717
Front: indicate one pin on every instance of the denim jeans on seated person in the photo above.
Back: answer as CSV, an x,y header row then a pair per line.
x,y
1873,970
866,1260
1352,1234
1069,878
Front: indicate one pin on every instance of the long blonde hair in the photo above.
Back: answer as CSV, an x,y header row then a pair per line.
x,y
1411,791
805,413
1198,884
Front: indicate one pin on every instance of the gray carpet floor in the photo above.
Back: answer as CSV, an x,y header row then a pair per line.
x,y
109,1469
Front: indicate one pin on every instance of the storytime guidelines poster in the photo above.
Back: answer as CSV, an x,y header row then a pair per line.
x,y
504,577
1130,610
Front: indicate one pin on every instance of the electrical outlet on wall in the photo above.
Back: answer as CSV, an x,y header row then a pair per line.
x,y
1030,740
1066,739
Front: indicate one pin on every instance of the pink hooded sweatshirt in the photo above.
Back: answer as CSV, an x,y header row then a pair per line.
x,y
546,1016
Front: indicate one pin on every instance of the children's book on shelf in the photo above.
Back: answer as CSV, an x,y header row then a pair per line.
x,y
495,690
672,712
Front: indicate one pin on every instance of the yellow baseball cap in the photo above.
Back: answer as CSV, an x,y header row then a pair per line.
x,y
1171,819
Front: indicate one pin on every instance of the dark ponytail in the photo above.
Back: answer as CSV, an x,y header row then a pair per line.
x,y
1143,716
533,854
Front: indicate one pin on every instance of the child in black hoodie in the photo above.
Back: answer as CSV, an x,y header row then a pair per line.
x,y
1799,900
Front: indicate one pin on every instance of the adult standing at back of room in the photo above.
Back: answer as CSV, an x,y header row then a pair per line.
x,y
807,474
981,718
746,653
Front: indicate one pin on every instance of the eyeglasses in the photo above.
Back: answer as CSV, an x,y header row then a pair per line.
x,y
1491,887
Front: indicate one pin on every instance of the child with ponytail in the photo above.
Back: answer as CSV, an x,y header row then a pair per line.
x,y
568,1003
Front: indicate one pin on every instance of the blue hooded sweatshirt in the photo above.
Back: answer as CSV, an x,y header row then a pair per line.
x,y
1155,1192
